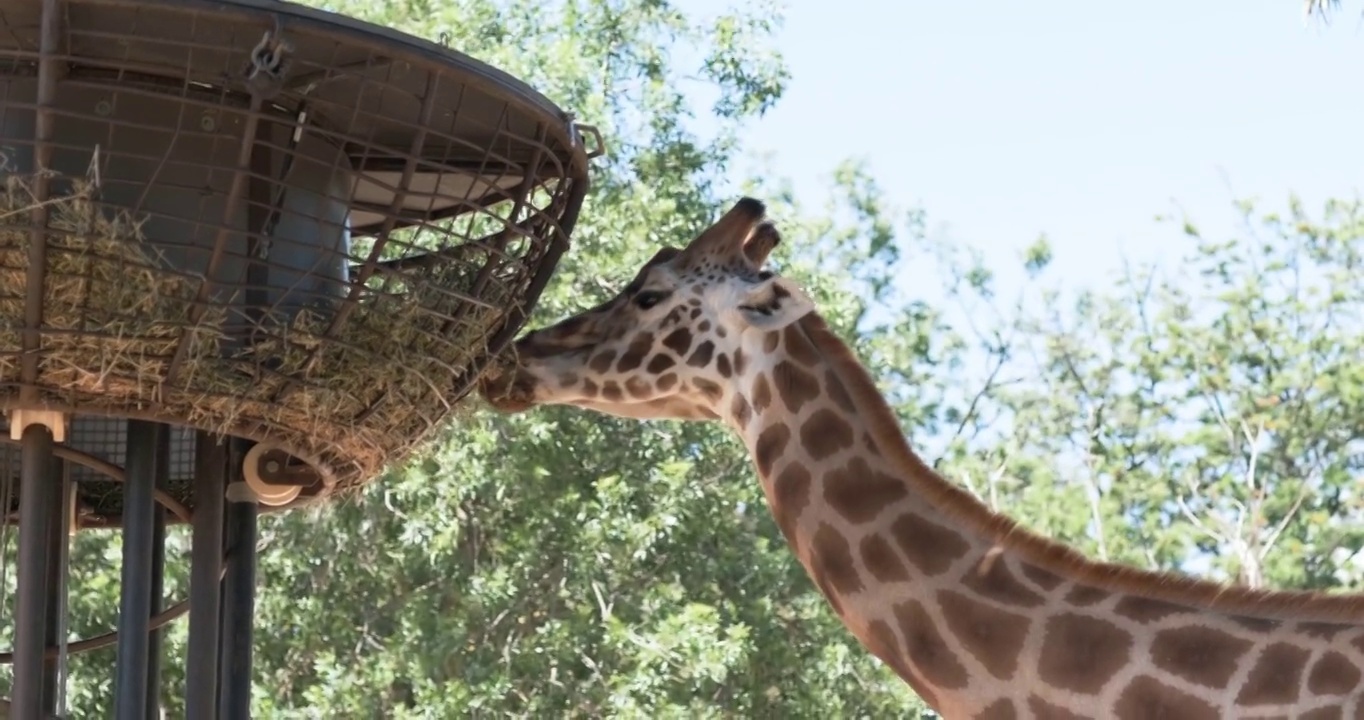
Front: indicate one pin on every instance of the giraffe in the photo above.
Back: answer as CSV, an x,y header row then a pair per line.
x,y
981,617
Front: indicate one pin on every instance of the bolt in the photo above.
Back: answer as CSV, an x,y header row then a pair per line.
x,y
208,123
103,107
272,466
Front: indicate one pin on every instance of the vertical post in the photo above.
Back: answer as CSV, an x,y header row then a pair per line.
x,y
30,612
59,557
130,688
205,578
239,604
162,481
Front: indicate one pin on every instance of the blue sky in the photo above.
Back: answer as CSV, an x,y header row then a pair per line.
x,y
1080,119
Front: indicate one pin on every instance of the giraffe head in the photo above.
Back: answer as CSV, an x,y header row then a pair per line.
x,y
669,344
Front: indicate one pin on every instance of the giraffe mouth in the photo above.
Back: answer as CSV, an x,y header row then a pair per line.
x,y
508,389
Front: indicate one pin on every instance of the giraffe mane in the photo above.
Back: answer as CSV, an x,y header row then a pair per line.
x,y
1048,554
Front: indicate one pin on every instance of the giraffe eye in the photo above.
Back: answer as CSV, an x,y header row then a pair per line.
x,y
650,298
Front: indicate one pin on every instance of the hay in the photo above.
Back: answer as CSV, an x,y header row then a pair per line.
x,y
114,314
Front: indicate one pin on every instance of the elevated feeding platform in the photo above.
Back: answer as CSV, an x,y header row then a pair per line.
x,y
251,254
262,221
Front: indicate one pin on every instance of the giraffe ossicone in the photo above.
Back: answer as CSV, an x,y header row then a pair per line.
x,y
982,618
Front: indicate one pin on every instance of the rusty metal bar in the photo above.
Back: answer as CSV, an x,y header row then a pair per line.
x,y
158,572
238,605
49,71
205,578
58,566
134,615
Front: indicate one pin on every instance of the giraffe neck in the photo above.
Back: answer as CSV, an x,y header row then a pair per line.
x,y
984,619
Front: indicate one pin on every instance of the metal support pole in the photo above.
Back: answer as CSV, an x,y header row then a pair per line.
x,y
58,567
239,605
30,612
158,576
130,689
205,578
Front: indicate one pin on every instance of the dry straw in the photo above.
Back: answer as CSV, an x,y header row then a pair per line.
x,y
114,313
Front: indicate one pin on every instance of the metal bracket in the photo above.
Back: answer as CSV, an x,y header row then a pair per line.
x,y
598,146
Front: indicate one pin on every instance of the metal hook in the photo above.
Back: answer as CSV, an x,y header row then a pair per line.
x,y
269,60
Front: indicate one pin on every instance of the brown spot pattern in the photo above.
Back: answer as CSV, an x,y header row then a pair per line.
x,y
825,433
832,558
740,361
997,583
833,385
611,391
795,386
1080,653
771,443
1145,610
1201,655
790,495
701,357
709,389
770,341
1260,625
1275,677
667,382
1043,710
660,363
998,710
634,355
1324,713
637,387
881,642
740,411
589,388
1042,578
1146,698
722,365
1086,595
881,560
799,347
931,547
926,648
1333,674
994,637
762,394
859,493
602,361
1323,630
679,341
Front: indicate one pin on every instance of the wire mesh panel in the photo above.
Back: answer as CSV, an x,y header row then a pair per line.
x,y
263,220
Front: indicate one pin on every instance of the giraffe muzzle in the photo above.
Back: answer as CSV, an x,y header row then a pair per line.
x,y
508,388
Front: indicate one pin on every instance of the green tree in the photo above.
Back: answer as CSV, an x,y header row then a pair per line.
x,y
1205,419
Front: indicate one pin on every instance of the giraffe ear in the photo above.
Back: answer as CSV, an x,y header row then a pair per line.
x,y
775,303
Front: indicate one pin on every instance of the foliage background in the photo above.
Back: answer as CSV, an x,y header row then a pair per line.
x,y
567,564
